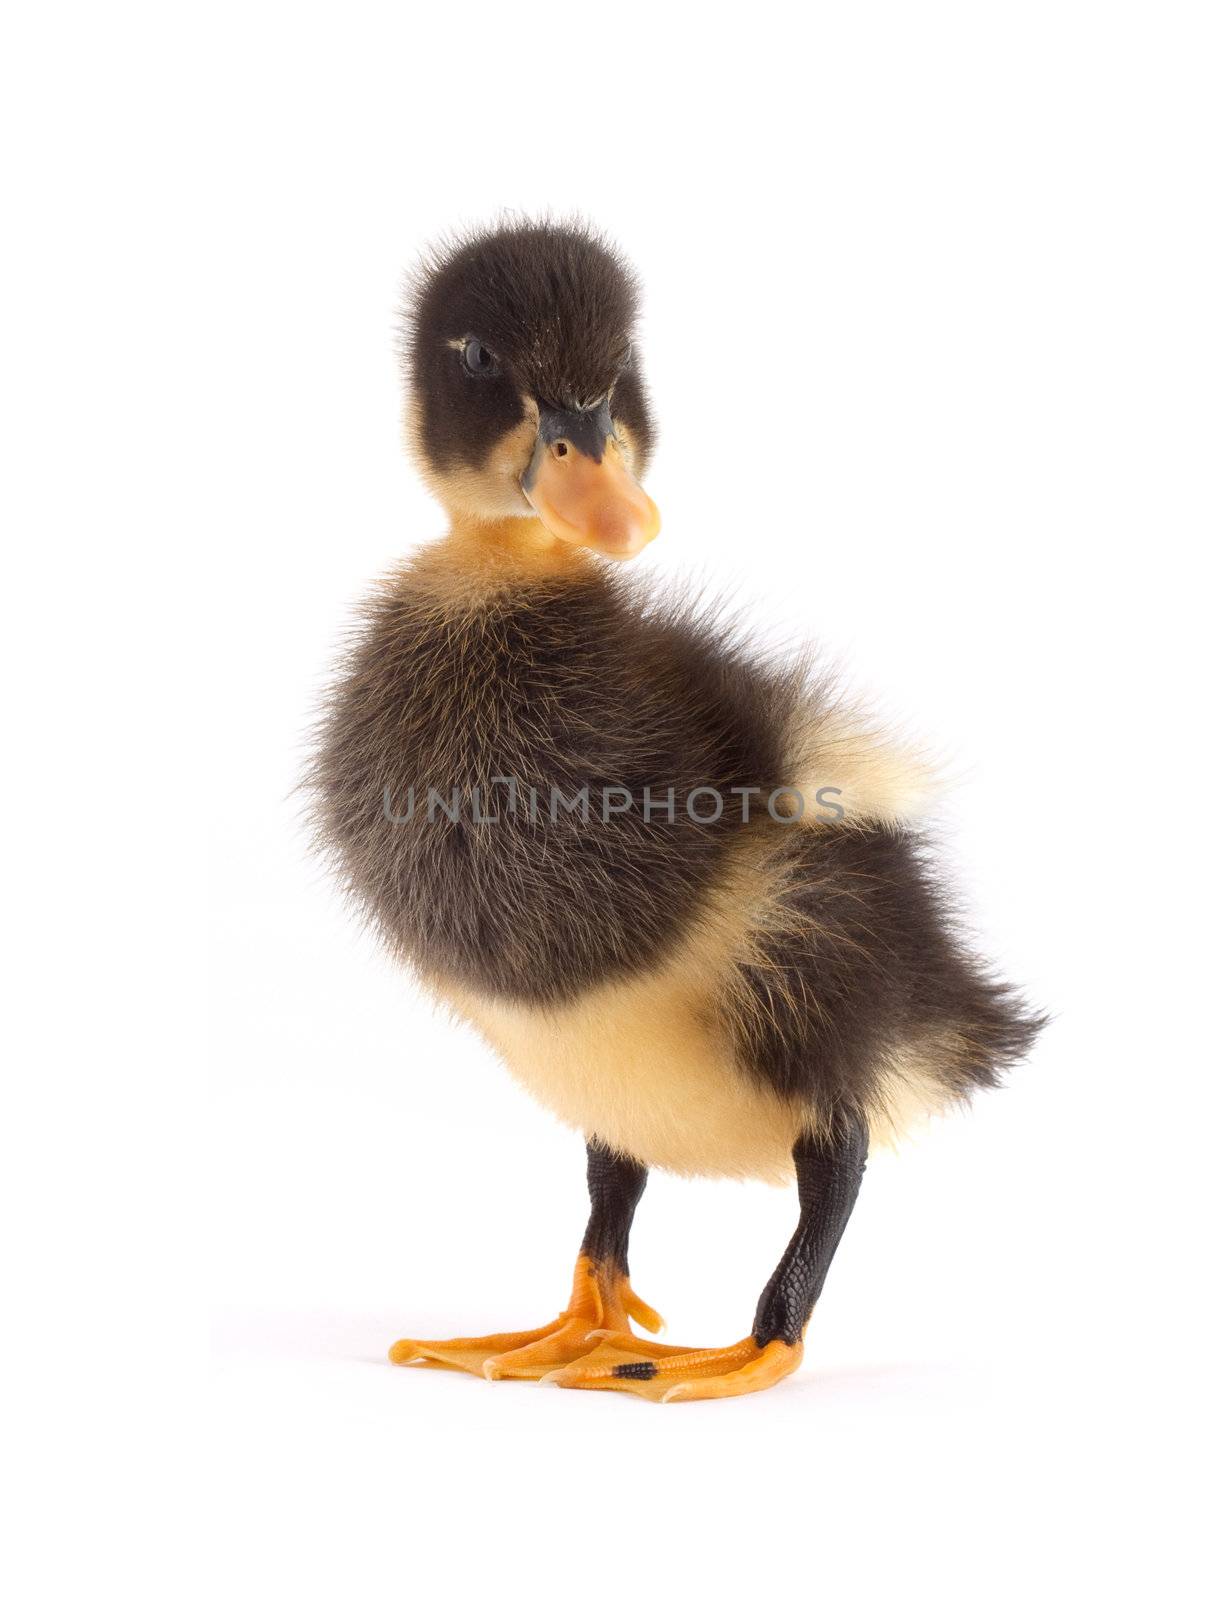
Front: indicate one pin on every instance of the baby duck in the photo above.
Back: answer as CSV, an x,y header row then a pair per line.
x,y
677,888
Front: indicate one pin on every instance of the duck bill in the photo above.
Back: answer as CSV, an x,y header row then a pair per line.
x,y
581,488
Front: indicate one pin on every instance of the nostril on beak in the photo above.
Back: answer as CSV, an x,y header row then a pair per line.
x,y
561,447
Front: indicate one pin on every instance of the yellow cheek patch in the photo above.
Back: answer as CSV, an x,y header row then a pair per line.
x,y
490,491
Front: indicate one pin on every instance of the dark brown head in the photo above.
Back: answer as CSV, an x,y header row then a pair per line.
x,y
524,390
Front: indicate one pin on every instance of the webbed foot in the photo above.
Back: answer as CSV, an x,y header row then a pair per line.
x,y
602,1307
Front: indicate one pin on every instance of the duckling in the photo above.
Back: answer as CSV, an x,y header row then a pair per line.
x,y
677,888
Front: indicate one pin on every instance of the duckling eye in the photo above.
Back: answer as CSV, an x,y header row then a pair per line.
x,y
479,359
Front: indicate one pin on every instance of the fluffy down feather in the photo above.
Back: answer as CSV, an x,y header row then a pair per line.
x,y
689,991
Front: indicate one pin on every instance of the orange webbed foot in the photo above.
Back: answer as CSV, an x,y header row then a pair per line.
x,y
667,1372
602,1306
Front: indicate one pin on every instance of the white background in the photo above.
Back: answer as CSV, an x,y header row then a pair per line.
x,y
931,332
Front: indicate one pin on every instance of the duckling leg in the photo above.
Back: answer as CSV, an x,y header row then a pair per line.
x,y
829,1171
602,1304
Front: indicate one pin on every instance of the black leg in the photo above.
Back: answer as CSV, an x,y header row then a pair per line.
x,y
590,1345
828,1173
616,1183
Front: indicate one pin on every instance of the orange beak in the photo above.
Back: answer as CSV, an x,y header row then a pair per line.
x,y
584,493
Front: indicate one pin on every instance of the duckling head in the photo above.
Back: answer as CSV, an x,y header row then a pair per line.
x,y
524,391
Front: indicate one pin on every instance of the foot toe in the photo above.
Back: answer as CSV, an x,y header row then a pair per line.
x,y
464,1355
641,1312
664,1374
